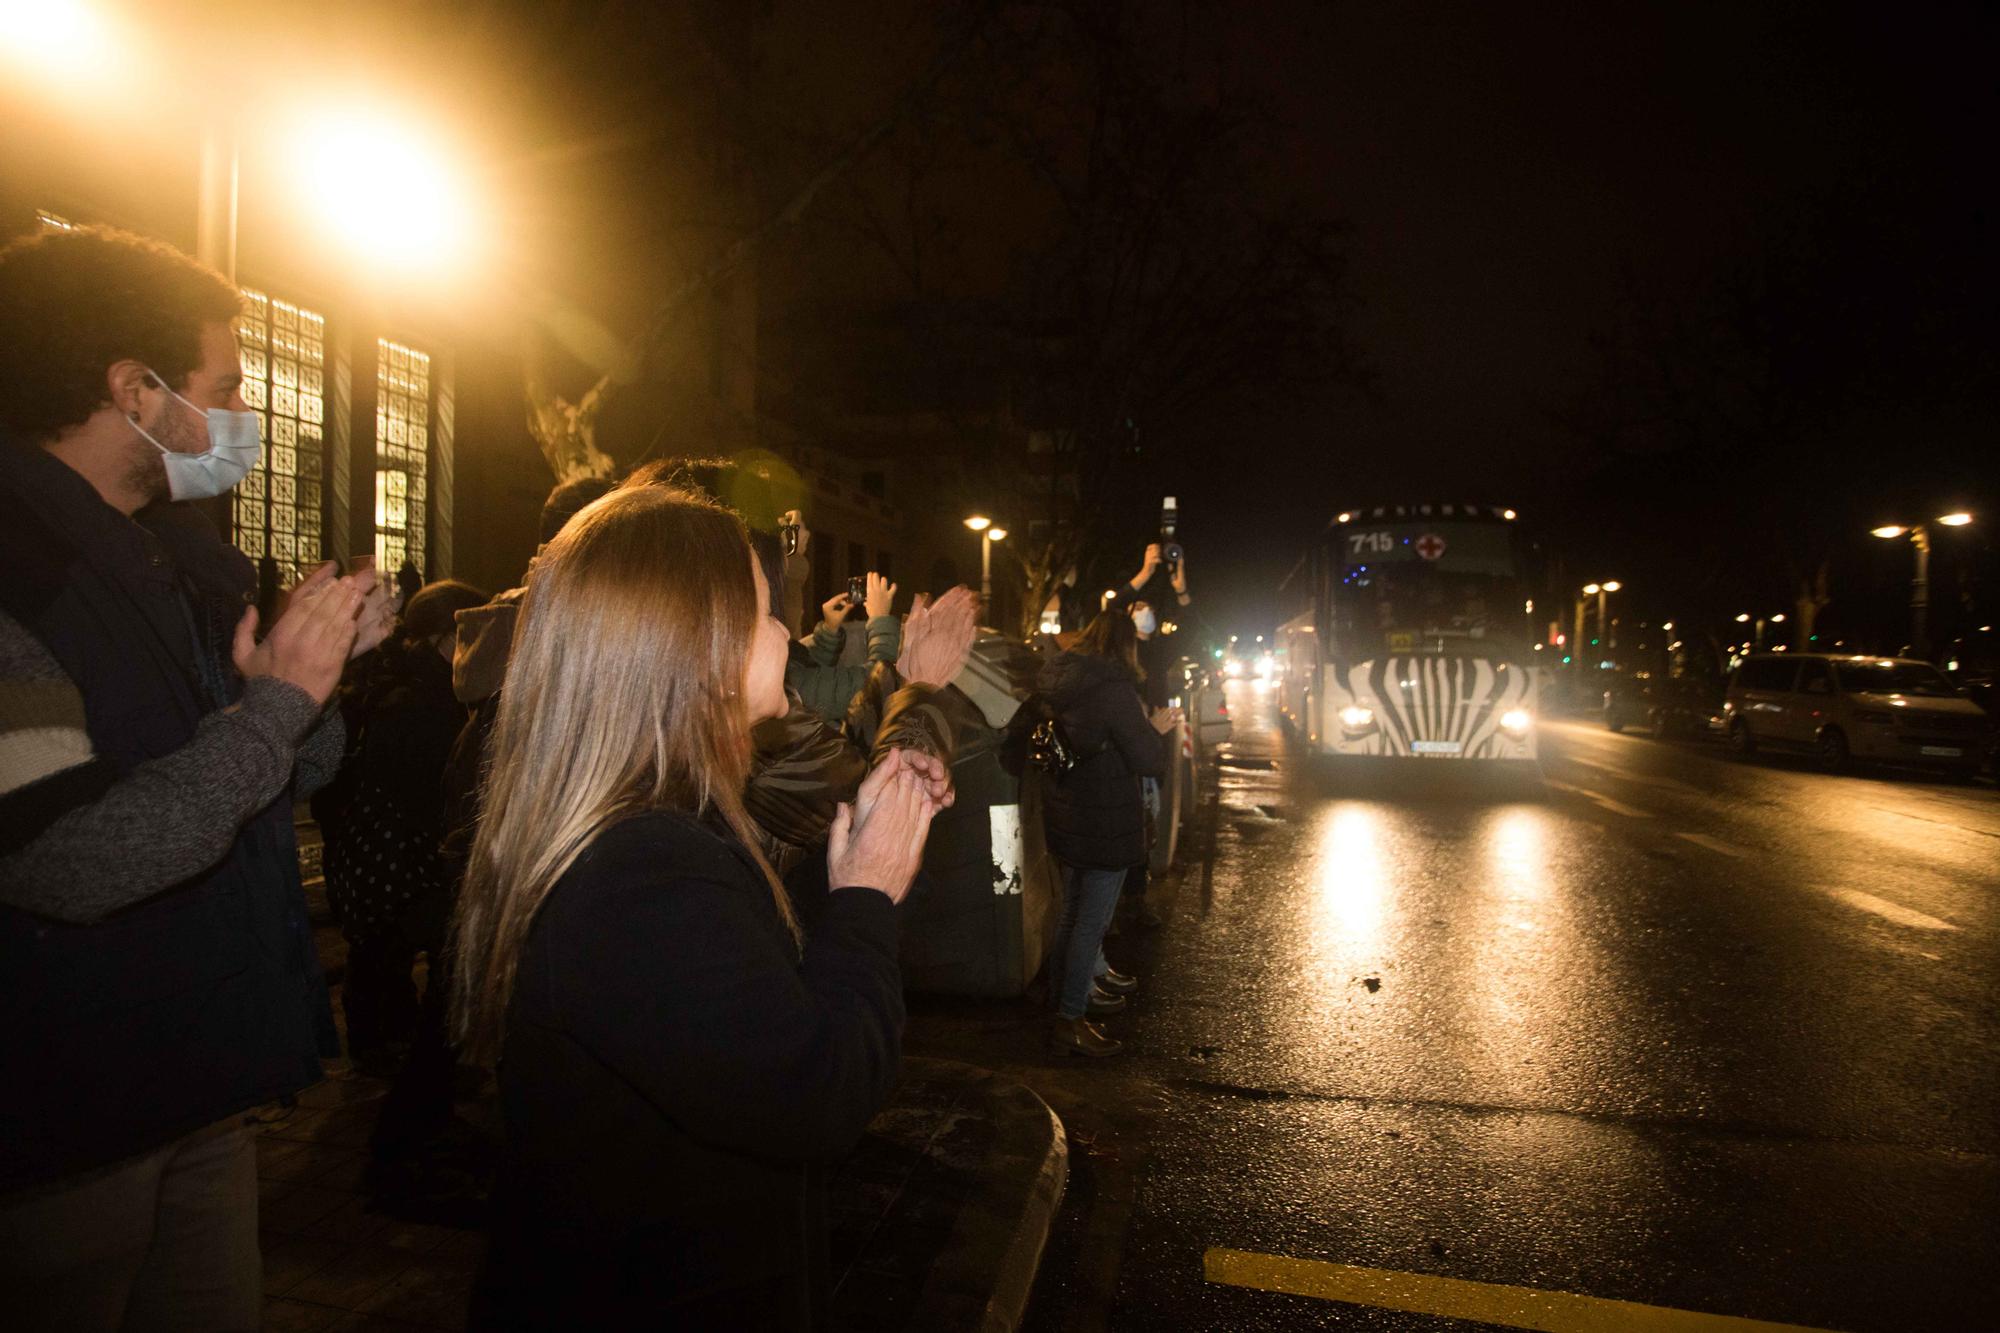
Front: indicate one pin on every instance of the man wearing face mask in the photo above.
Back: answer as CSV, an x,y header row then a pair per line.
x,y
157,972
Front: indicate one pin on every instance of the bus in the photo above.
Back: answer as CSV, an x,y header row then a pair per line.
x,y
1411,638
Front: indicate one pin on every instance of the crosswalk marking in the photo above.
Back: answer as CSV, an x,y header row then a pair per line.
x,y
1456,1298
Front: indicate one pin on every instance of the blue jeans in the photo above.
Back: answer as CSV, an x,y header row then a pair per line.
x,y
1088,899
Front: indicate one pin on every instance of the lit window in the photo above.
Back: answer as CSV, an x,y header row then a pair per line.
x,y
275,511
402,455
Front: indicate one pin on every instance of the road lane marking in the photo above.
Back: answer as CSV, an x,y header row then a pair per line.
x,y
1713,844
1456,1298
1599,798
1895,912
1647,779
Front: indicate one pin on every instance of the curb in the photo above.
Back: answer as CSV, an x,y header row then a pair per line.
x,y
983,1277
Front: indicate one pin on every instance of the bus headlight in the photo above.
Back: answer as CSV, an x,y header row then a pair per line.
x,y
1356,718
1516,721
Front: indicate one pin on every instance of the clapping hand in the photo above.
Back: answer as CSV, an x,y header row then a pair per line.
x,y
377,617
309,644
937,636
877,842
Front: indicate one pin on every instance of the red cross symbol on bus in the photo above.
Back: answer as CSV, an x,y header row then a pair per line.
x,y
1430,546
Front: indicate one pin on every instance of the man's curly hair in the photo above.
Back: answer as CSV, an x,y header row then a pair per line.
x,y
74,302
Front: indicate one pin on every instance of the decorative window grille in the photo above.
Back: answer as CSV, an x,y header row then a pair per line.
x,y
402,455
275,511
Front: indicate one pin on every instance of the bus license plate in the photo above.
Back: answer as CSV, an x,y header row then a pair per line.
x,y
1943,751
1436,747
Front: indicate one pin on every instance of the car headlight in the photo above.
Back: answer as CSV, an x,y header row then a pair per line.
x,y
1354,717
1516,721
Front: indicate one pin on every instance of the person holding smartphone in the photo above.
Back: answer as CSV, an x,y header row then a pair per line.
x,y
817,673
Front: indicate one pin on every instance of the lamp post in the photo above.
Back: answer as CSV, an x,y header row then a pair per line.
x,y
988,534
1600,591
1757,623
1920,585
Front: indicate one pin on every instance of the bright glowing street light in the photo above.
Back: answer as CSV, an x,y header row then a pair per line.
x,y
381,187
1613,586
982,524
1743,618
1920,585
1591,590
52,36
1778,619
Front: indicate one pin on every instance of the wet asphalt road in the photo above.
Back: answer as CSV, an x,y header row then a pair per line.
x,y
1673,1029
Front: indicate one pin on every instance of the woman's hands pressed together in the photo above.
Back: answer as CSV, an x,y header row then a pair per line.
x,y
877,842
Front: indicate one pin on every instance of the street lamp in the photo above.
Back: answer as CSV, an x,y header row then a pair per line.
x,y
1920,586
378,185
1600,591
1757,624
989,534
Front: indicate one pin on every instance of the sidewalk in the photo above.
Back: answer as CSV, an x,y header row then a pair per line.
x,y
937,1218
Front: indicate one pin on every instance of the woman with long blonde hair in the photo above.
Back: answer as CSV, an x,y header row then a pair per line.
x,y
675,1057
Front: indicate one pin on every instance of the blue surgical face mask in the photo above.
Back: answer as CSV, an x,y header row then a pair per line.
x,y
1146,620
233,449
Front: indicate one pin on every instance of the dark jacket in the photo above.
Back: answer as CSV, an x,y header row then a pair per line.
x,y
384,817
205,999
673,1076
1094,814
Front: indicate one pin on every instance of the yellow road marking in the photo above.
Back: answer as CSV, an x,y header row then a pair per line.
x,y
1455,1298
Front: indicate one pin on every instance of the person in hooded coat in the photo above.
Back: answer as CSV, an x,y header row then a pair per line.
x,y
1094,813
384,815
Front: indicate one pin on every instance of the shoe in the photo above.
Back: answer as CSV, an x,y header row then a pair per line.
x,y
1103,1002
1079,1036
1114,982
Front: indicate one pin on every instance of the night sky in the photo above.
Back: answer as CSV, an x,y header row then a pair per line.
x,y
1509,172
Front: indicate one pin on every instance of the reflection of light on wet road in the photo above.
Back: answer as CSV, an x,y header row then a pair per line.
x,y
1517,849
1350,876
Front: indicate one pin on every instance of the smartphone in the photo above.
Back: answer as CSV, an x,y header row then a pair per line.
x,y
857,590
789,534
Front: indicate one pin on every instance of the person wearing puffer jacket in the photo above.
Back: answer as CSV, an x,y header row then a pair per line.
x,y
1094,815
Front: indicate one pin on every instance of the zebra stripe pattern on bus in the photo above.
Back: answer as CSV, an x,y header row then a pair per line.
x,y
1427,704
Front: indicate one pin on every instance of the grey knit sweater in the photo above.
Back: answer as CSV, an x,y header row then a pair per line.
x,y
81,843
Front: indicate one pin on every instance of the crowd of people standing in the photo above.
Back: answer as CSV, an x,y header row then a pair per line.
x,y
646,839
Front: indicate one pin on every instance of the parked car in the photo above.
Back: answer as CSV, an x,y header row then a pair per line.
x,y
1890,709
1973,663
1662,706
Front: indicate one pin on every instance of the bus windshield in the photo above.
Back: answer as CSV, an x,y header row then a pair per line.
x,y
1431,587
